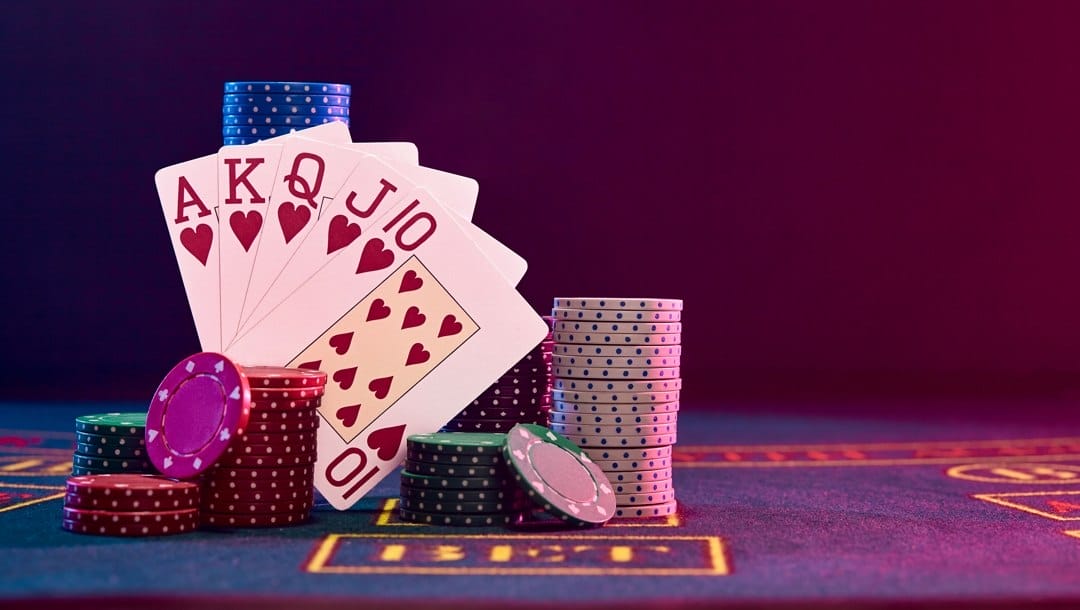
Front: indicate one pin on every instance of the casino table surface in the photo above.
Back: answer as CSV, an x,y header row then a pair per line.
x,y
875,505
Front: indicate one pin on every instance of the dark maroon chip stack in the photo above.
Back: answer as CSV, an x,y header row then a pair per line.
x,y
266,477
521,395
130,505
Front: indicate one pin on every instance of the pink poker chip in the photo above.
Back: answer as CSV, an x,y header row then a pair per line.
x,y
199,408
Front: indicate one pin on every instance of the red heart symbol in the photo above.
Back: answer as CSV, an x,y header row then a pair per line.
x,y
380,386
450,326
341,233
292,218
341,343
385,442
345,377
410,282
198,241
348,414
246,227
417,354
313,365
374,256
378,310
413,317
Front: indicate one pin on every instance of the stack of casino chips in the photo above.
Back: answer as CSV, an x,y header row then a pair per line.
x,y
615,392
459,478
266,476
130,505
257,110
520,396
110,443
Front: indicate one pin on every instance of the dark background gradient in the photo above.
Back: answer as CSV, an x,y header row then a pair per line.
x,y
853,198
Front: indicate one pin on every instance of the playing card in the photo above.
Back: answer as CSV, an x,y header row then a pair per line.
x,y
458,194
189,198
368,191
434,323
403,153
245,175
309,173
370,182
455,193
510,264
415,324
188,194
245,179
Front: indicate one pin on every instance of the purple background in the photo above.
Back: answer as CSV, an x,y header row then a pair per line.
x,y
851,197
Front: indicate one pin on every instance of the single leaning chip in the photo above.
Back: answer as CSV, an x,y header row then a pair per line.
x,y
200,406
558,475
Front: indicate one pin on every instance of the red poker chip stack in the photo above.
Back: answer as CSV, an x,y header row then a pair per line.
x,y
266,476
130,505
522,395
616,380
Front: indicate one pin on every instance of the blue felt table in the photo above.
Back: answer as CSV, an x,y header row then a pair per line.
x,y
780,506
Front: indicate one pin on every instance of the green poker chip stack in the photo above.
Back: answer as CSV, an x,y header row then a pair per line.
x,y
459,479
111,443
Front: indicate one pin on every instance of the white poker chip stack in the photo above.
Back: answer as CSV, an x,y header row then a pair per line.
x,y
615,392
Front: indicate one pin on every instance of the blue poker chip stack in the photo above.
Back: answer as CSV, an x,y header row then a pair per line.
x,y
253,111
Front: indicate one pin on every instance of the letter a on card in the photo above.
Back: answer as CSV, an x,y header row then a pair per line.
x,y
188,193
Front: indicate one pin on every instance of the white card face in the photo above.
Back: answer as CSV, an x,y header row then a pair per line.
x,y
364,190
509,263
309,174
392,152
368,192
459,194
245,180
188,194
420,323
394,337
456,193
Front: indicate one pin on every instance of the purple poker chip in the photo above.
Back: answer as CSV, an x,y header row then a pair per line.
x,y
199,408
